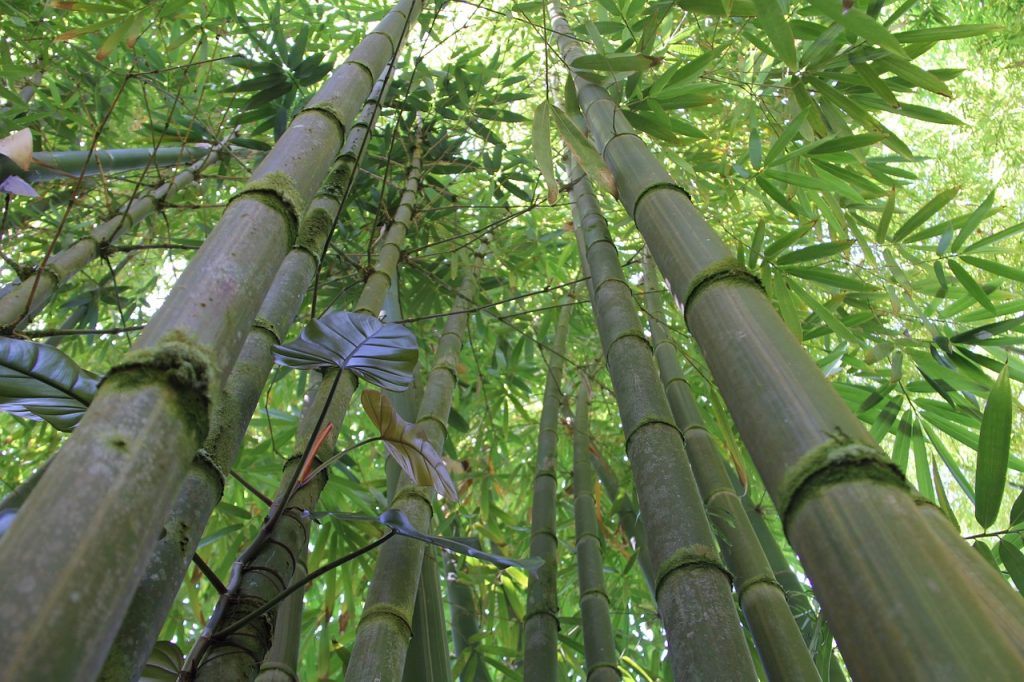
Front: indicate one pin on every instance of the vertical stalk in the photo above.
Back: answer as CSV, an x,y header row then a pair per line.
x,y
903,596
385,627
281,664
599,648
540,647
692,586
80,544
463,613
779,643
20,304
203,486
267,566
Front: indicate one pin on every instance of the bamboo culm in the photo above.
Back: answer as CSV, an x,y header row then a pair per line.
x,y
385,626
693,588
207,474
779,643
269,570
79,545
877,563
599,649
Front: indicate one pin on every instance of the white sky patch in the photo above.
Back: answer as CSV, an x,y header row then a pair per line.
x,y
170,270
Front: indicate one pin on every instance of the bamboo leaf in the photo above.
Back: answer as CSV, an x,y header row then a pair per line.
x,y
993,451
1013,560
584,153
382,353
719,8
772,20
968,228
542,149
39,382
857,21
970,284
933,206
814,252
995,268
615,62
915,75
407,445
933,35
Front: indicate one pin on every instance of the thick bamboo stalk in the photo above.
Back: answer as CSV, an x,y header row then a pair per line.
x,y
203,485
903,603
382,637
540,640
599,649
629,518
782,649
20,304
80,543
693,588
238,655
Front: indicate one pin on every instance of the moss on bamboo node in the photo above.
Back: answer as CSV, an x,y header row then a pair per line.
x,y
840,460
278,192
762,579
313,231
728,270
207,461
283,668
337,180
268,326
387,612
331,112
689,557
181,364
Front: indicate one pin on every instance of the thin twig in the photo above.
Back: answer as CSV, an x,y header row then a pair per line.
x,y
208,572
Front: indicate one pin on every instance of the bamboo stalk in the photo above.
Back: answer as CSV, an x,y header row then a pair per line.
x,y
903,602
64,165
79,545
599,649
693,588
269,570
281,664
203,486
463,611
540,640
23,302
384,629
779,643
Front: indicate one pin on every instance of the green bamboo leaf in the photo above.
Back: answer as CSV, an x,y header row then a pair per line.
x,y
1013,560
972,223
993,450
933,206
846,143
818,183
1017,510
41,383
877,85
995,268
382,353
542,149
915,75
814,252
615,62
933,35
788,134
883,223
719,8
857,21
773,22
827,316
584,153
970,284
997,237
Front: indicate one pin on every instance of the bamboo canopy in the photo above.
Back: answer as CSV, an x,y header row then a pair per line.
x,y
876,562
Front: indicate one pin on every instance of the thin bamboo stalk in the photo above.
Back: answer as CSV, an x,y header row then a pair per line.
x,y
385,626
779,643
599,649
540,640
269,570
877,565
203,485
80,543
281,664
693,588
64,165
465,626
23,302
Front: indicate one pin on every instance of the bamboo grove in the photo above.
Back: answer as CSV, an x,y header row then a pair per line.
x,y
607,340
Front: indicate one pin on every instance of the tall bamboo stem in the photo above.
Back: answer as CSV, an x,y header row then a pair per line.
x,y
463,610
79,545
281,664
20,304
902,599
779,643
203,486
385,626
270,569
540,641
64,165
599,649
693,588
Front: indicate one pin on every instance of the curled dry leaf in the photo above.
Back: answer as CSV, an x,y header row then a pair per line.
x,y
18,148
407,445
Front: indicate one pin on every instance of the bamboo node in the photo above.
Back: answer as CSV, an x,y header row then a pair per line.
x,y
688,558
277,191
722,271
839,460
387,612
419,493
764,579
268,326
205,459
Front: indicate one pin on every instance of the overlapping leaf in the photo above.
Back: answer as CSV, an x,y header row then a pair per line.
x,y
382,353
407,445
39,382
